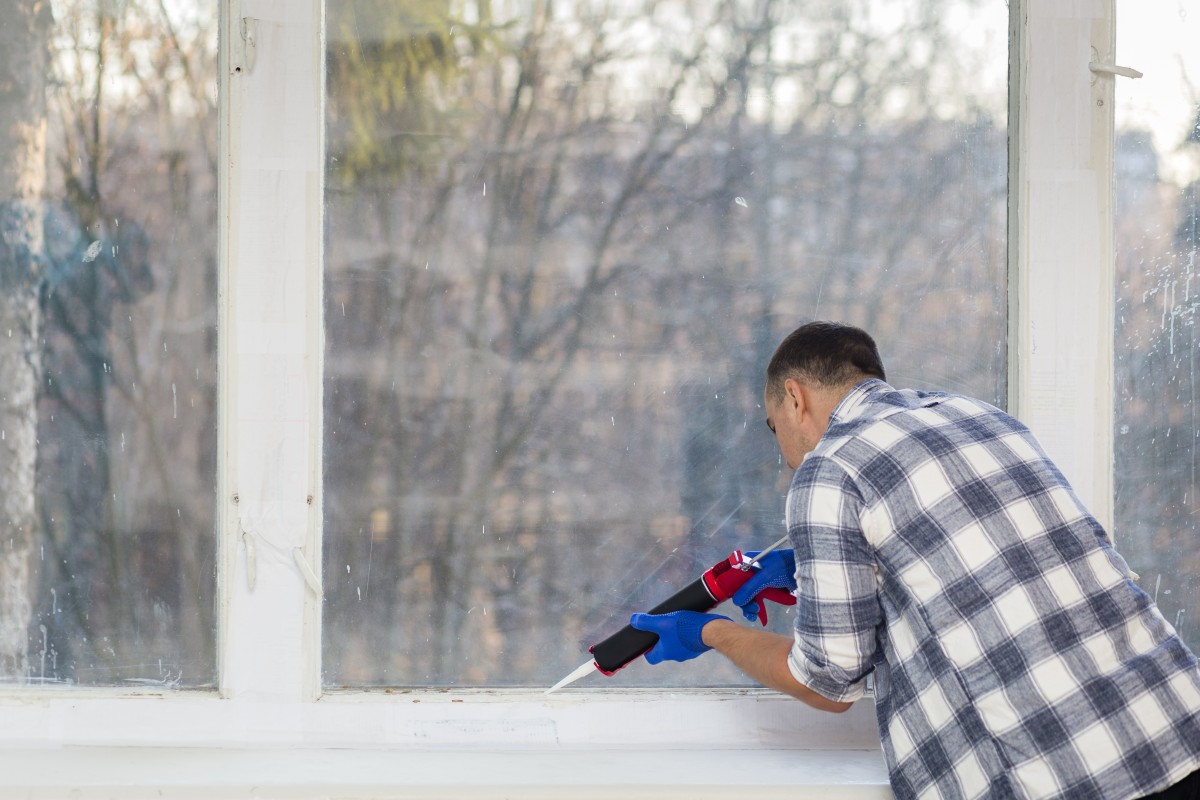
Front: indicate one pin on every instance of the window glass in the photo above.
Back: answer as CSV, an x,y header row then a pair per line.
x,y
108,343
1157,236
563,241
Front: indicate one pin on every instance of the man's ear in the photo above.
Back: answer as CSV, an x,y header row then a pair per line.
x,y
794,396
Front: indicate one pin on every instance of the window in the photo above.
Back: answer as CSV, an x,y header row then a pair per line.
x,y
562,243
108,429
1157,237
742,206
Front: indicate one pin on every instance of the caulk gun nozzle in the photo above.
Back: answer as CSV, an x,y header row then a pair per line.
x,y
583,669
750,562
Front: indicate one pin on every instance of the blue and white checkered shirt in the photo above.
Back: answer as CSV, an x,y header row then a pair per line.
x,y
937,545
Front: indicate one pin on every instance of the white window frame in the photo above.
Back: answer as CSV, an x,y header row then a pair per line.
x,y
269,482
1060,237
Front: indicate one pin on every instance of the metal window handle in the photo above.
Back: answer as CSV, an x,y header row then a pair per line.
x,y
1113,69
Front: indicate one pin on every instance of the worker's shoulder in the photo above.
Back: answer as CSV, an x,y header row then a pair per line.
x,y
884,405
885,419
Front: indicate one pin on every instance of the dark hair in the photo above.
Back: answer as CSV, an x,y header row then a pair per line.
x,y
826,354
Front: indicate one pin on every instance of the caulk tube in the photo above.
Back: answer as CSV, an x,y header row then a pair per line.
x,y
715,586
628,643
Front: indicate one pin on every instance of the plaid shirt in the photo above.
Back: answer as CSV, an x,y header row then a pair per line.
x,y
938,546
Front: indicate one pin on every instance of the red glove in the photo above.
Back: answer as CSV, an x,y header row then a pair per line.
x,y
771,579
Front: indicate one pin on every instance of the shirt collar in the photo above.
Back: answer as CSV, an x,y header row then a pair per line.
x,y
849,405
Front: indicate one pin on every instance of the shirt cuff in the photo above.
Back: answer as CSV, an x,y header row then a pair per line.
x,y
825,681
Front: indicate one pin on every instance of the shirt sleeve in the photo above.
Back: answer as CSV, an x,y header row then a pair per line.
x,y
837,610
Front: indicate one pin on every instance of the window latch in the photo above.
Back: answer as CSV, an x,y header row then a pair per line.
x,y
1113,69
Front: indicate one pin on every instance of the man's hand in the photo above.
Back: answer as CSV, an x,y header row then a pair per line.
x,y
679,636
774,579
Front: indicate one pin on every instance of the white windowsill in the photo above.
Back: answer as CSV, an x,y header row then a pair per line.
x,y
470,744
631,718
300,774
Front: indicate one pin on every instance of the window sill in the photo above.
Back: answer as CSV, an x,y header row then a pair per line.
x,y
605,719
133,773
425,744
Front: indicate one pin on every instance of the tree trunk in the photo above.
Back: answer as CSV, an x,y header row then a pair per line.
x,y
23,62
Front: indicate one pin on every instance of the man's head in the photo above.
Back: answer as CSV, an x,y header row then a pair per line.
x,y
826,354
811,371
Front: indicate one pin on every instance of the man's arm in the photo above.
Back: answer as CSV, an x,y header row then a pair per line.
x,y
763,656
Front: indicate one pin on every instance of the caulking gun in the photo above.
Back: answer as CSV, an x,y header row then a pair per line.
x,y
716,585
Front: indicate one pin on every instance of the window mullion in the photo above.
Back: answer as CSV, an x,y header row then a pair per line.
x,y
271,174
1061,239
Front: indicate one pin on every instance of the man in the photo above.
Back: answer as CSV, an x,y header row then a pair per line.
x,y
938,547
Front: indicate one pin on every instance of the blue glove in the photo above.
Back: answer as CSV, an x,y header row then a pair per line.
x,y
678,634
777,571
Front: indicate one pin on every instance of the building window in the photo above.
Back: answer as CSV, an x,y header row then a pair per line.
x,y
1157,433
562,242
108,354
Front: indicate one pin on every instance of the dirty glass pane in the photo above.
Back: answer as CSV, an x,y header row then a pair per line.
x,y
1158,342
108,569
562,242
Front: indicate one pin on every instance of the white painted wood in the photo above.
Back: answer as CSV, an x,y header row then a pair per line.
x,y
1061,238
272,172
728,719
221,774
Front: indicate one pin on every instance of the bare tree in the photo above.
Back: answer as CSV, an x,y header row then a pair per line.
x,y
23,59
127,429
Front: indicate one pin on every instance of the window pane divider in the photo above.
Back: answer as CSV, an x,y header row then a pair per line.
x,y
272,122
